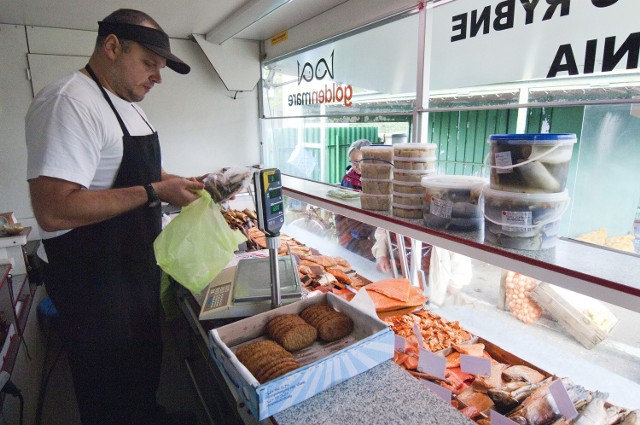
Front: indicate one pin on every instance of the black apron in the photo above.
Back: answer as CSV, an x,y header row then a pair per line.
x,y
104,281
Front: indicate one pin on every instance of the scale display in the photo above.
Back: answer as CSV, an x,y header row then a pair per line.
x,y
268,189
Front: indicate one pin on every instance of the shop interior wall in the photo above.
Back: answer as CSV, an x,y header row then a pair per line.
x,y
202,125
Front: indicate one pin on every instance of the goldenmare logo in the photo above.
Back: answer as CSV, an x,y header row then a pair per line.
x,y
328,94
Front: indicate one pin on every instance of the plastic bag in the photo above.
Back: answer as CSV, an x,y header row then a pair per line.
x,y
227,182
197,244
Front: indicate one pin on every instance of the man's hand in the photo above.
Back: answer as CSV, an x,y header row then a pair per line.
x,y
177,190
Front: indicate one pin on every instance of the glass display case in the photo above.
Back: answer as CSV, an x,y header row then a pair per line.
x,y
520,302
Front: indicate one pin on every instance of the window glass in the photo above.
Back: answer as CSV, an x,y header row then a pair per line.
x,y
511,52
316,148
370,72
317,102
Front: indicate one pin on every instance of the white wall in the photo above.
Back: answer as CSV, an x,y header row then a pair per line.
x,y
202,127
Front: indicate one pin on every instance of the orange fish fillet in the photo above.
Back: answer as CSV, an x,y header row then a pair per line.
x,y
385,303
476,350
398,289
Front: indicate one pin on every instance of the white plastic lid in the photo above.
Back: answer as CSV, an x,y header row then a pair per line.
x,y
406,207
415,145
408,195
530,197
414,159
377,148
374,180
403,171
405,183
373,195
453,182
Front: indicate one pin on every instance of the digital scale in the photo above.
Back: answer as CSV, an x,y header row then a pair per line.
x,y
257,281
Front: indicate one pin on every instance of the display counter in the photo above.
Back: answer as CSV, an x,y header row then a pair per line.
x,y
608,275
384,394
612,364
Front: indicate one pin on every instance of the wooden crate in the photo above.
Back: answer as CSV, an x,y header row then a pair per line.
x,y
568,316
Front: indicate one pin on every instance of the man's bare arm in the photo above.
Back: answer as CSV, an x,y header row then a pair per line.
x,y
60,204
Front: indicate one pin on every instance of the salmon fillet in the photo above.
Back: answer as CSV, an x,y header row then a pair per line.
x,y
385,303
398,289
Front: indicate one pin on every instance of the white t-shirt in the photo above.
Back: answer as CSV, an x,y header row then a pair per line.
x,y
72,133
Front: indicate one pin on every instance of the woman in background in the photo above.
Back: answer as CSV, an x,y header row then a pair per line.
x,y
355,236
351,179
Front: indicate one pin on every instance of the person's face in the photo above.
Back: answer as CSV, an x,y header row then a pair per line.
x,y
356,161
136,70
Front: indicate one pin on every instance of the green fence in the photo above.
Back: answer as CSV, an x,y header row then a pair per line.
x,y
298,151
461,136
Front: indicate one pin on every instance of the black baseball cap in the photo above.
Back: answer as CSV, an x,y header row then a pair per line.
x,y
153,39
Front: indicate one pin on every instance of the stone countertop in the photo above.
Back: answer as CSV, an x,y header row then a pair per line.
x,y
384,395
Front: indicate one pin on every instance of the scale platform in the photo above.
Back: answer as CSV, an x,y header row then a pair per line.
x,y
245,289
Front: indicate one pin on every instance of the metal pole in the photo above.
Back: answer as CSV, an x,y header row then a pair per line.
x,y
273,243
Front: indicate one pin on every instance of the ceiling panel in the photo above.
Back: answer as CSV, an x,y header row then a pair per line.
x,y
178,20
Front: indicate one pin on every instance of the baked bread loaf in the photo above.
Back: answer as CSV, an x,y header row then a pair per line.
x,y
331,324
266,360
290,331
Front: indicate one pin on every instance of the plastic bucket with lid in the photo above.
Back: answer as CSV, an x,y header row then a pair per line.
x,y
528,221
408,199
375,202
376,186
414,164
530,163
415,150
406,211
377,169
411,176
380,152
452,202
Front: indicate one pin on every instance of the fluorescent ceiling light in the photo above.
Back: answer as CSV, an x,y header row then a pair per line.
x,y
243,18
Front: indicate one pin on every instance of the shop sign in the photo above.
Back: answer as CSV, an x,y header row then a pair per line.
x,y
312,90
497,41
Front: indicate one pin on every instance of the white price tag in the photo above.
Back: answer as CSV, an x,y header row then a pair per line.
x,y
432,364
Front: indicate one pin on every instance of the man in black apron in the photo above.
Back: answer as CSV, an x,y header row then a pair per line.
x,y
102,274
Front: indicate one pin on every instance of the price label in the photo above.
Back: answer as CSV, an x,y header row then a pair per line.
x,y
442,392
475,365
432,364
418,334
562,399
497,419
400,344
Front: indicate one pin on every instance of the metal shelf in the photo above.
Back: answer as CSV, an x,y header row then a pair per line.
x,y
605,274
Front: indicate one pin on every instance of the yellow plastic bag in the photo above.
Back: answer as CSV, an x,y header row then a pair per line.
x,y
196,245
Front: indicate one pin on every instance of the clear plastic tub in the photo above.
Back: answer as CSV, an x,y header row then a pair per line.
x,y
411,188
530,163
376,170
528,221
375,202
411,176
379,152
406,211
415,150
409,163
452,202
376,186
408,199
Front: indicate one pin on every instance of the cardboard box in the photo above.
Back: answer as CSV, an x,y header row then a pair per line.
x,y
323,365
576,313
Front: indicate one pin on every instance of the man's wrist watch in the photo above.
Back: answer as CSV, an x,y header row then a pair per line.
x,y
152,197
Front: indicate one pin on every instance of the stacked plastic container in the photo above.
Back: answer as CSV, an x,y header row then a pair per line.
x,y
452,202
412,162
527,195
377,171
